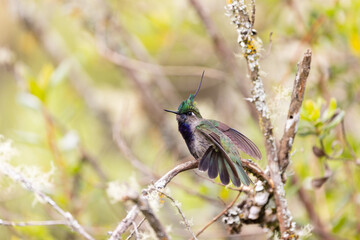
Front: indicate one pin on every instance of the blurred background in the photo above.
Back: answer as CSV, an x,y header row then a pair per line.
x,y
83,85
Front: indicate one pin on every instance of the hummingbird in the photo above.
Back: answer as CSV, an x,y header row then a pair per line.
x,y
214,143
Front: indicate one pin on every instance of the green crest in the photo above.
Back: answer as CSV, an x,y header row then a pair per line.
x,y
189,105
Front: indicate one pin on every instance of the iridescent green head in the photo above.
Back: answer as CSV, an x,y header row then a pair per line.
x,y
189,105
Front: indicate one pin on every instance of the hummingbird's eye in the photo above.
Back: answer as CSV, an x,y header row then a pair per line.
x,y
190,113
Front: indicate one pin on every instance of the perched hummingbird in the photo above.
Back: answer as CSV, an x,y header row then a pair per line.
x,y
214,143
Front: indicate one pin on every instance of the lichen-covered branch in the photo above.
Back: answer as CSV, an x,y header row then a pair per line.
x,y
294,110
237,11
253,209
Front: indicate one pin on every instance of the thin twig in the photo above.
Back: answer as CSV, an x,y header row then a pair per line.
x,y
219,215
176,204
136,229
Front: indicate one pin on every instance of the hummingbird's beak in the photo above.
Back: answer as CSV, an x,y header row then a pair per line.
x,y
171,111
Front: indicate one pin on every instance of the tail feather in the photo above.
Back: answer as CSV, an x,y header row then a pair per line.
x,y
213,166
242,174
216,164
205,160
234,179
224,175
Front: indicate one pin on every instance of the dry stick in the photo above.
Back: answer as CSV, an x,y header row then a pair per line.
x,y
219,215
237,10
125,223
9,171
223,52
293,117
33,223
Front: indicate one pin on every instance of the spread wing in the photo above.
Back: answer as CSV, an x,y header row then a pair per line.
x,y
239,139
222,157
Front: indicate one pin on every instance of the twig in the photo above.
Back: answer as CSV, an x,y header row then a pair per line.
x,y
176,204
125,223
294,110
219,215
9,171
135,230
33,223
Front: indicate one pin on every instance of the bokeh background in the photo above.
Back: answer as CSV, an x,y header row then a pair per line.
x,y
83,85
